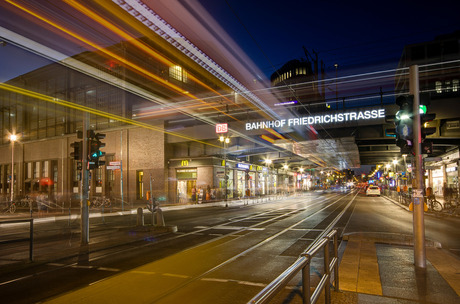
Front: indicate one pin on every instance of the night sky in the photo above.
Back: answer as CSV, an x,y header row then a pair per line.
x,y
356,35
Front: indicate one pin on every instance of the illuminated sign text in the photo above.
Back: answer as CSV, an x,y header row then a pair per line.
x,y
318,119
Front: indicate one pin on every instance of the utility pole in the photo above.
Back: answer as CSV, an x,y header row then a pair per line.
x,y
84,198
418,216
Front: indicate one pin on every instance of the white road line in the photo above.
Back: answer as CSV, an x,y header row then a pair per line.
x,y
215,280
143,272
176,275
108,269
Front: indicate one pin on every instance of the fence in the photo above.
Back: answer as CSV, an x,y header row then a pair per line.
x,y
30,238
303,264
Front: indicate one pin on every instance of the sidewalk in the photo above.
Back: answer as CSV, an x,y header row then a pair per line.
x,y
380,269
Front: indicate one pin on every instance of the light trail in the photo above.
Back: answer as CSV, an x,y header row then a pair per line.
x,y
127,63
86,109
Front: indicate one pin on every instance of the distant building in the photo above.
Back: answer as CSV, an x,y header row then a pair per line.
x,y
439,75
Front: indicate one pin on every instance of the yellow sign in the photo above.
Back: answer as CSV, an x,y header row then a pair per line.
x,y
184,163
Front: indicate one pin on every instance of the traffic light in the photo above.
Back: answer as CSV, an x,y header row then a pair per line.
x,y
403,118
77,149
404,123
427,145
95,153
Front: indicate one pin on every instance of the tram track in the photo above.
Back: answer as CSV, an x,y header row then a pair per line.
x,y
297,206
265,241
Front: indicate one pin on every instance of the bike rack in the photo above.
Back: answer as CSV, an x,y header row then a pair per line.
x,y
303,264
30,238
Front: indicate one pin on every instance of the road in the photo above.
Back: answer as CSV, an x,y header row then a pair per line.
x,y
218,255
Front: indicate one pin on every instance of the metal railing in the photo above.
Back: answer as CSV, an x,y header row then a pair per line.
x,y
30,238
303,264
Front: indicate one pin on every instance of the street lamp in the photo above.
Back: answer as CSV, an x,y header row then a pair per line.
x,y
268,162
225,140
13,138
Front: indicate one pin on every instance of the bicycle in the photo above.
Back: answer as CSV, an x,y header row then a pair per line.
x,y
433,204
99,202
10,208
405,198
451,204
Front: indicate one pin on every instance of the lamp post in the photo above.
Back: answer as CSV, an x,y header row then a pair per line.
x,y
13,138
225,140
405,169
395,162
268,163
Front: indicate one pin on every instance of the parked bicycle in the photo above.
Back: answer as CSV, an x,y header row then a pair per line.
x,y
451,204
432,203
100,201
10,207
405,198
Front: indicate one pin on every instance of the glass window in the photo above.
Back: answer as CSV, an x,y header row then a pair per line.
x,y
448,86
37,170
455,84
438,87
29,170
45,172
178,73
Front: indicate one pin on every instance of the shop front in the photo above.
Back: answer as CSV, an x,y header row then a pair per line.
x,y
186,185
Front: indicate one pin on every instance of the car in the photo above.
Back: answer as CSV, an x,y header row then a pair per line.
x,y
373,190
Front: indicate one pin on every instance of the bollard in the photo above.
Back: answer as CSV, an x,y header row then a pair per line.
x,y
160,221
140,217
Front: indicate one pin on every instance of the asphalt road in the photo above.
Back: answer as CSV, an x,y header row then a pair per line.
x,y
218,255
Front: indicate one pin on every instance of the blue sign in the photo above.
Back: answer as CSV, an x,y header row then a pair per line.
x,y
242,166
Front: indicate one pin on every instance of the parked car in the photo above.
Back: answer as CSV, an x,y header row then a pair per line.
x,y
373,190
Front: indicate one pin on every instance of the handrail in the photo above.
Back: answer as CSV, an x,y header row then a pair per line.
x,y
30,238
303,264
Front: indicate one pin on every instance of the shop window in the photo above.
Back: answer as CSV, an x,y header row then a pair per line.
x,y
139,185
37,170
45,172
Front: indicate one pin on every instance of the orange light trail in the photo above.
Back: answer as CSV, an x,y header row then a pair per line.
x,y
142,46
113,55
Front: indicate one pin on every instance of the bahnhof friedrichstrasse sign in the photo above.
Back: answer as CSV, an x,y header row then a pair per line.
x,y
317,119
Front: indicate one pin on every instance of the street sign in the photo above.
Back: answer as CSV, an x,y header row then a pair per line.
x,y
113,167
115,163
222,128
418,192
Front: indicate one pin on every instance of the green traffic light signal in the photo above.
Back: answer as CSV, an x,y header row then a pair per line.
x,y
422,109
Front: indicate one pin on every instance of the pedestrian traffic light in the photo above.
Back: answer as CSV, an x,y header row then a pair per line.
x,y
94,148
77,149
96,152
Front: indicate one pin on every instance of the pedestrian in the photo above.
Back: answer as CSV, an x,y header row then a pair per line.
x,y
193,195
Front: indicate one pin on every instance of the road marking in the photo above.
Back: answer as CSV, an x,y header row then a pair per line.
x,y
56,264
215,280
251,283
83,266
108,269
143,272
176,275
